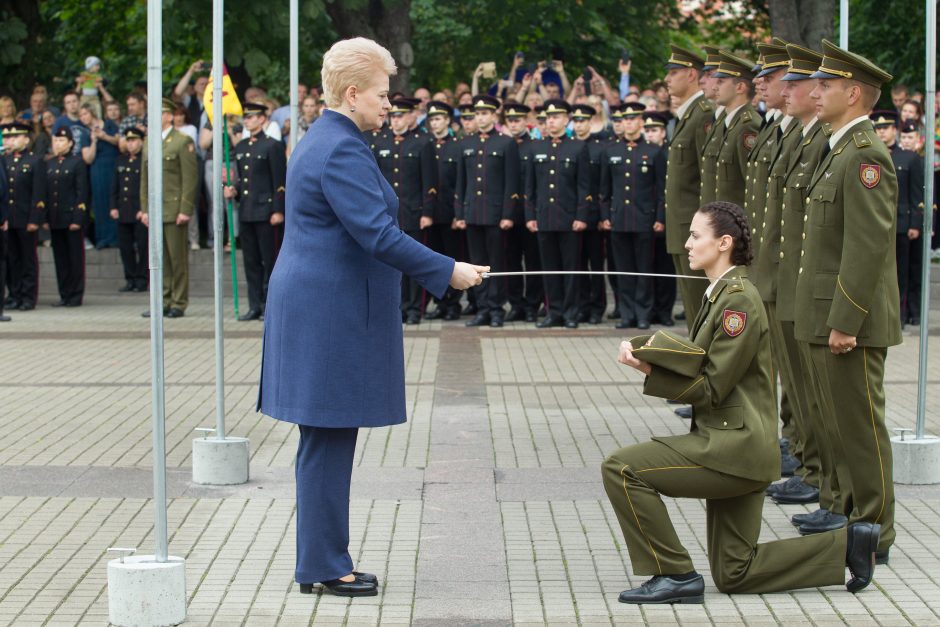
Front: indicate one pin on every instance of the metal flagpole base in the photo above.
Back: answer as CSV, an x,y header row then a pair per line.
x,y
143,591
916,461
220,462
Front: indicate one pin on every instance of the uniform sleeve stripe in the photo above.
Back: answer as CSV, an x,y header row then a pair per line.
x,y
862,309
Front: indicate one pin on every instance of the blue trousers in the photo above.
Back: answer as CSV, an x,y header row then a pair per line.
x,y
323,472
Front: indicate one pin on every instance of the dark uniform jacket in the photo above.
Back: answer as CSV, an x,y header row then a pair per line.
x,y
848,274
734,424
684,177
125,188
4,192
558,186
26,194
525,143
447,158
262,170
66,192
597,143
910,170
736,144
633,185
487,179
407,162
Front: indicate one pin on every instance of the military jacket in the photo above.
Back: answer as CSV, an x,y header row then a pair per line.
x,y
125,188
757,175
767,255
4,188
525,143
708,162
180,176
736,144
734,423
633,185
848,272
408,164
66,192
487,179
910,170
801,163
596,144
683,173
447,158
262,173
26,188
558,186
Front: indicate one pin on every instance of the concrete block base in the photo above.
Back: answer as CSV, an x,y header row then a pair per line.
x,y
220,462
916,462
142,591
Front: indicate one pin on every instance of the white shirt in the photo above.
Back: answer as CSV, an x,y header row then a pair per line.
x,y
680,112
711,286
809,127
718,110
785,122
730,117
190,131
166,132
272,130
845,129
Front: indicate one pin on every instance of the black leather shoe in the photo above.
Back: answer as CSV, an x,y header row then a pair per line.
x,y
788,465
530,315
796,491
882,557
799,519
253,314
140,288
549,321
643,324
571,324
369,577
59,303
826,522
860,547
73,303
453,314
469,310
595,318
413,318
614,315
583,316
128,287
667,322
26,306
683,412
356,588
146,314
665,589
11,302
175,312
515,315
437,314
624,325
496,321
480,320
4,318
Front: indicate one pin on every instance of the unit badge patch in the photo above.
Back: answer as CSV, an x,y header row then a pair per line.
x,y
750,140
733,322
869,174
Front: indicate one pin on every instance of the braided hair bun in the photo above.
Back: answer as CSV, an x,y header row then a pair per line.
x,y
727,218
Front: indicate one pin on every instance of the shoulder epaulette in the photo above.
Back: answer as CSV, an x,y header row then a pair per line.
x,y
746,116
704,105
827,129
735,287
862,139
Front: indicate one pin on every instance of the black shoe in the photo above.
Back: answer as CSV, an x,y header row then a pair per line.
x,y
583,316
358,587
665,589
469,310
128,287
11,302
595,318
367,577
571,324
643,324
614,315
667,321
175,312
788,465
542,312
146,314
253,314
452,314
680,315
626,324
437,314
496,321
882,557
73,303
515,315
480,320
799,519
59,303
530,315
140,288
775,488
796,491
413,318
4,318
549,321
683,412
860,548
826,522
24,306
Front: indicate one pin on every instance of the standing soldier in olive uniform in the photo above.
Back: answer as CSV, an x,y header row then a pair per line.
x,y
443,238
180,184
817,478
66,214
26,193
846,291
664,287
558,196
694,119
486,196
632,201
262,172
125,208
715,126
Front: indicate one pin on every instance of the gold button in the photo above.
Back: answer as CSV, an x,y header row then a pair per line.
x,y
802,252
551,171
396,169
552,157
551,186
781,255
479,193
551,200
626,202
479,165
781,239
396,184
479,178
480,152
801,271
628,174
627,188
804,235
805,218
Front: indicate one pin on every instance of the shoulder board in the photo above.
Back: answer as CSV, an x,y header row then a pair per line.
x,y
827,129
704,105
735,287
862,139
746,116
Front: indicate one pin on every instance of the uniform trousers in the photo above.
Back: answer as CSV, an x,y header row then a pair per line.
x,y
323,474
132,240
593,291
634,253
664,288
636,476
3,268
24,265
412,294
258,254
448,242
691,290
910,256
561,250
830,492
522,252
487,247
175,266
68,252
465,256
850,387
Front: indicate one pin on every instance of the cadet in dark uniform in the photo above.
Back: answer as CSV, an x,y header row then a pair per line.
x,y
443,237
468,127
558,198
26,178
730,454
262,170
4,226
486,196
66,214
632,195
664,287
909,167
592,289
406,159
125,208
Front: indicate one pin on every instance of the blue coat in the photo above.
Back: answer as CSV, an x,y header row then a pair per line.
x,y
333,354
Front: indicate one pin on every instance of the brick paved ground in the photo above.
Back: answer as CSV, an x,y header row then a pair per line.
x,y
485,508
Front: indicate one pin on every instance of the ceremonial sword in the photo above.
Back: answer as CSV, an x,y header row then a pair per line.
x,y
488,275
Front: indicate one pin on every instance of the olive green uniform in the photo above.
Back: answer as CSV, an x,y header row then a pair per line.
x,y
728,458
180,184
708,158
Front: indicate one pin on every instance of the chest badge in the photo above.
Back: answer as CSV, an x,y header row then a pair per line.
x,y
869,174
750,140
733,322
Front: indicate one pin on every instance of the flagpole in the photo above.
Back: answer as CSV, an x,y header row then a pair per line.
x,y
217,215
294,76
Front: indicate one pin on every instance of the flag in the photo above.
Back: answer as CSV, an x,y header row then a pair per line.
x,y
230,103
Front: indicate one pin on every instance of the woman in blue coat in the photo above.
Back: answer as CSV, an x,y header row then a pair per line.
x,y
333,357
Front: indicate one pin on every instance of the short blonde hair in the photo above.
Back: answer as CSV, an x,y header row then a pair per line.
x,y
352,62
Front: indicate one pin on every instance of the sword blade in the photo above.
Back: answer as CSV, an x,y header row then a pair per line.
x,y
487,275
